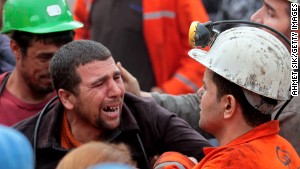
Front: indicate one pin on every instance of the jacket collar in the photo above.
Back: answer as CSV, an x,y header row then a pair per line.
x,y
50,126
267,129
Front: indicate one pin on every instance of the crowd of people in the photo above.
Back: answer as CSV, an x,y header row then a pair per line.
x,y
118,86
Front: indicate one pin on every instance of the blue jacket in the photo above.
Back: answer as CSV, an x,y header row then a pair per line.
x,y
7,59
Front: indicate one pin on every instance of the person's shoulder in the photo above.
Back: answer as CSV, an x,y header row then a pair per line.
x,y
47,115
143,103
26,123
26,126
231,156
146,108
240,151
2,76
136,102
4,38
4,42
131,98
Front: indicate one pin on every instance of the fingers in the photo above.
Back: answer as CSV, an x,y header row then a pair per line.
x,y
125,74
130,82
153,160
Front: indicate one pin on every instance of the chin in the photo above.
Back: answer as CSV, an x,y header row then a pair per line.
x,y
113,125
116,125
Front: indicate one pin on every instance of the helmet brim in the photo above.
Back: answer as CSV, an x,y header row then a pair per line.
x,y
50,27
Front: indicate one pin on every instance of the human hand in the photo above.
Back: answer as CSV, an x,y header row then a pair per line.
x,y
153,160
130,82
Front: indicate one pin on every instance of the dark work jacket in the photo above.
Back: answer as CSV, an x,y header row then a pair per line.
x,y
142,119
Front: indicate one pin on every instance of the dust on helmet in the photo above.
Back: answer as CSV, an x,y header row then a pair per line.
x,y
38,16
251,58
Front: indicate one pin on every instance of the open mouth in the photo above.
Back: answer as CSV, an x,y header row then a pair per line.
x,y
111,111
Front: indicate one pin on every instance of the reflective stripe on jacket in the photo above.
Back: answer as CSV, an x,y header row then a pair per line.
x,y
260,147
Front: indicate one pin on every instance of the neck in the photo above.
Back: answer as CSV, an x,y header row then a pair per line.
x,y
81,130
18,87
233,128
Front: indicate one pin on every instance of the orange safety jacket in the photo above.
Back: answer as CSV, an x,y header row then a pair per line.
x,y
166,27
261,147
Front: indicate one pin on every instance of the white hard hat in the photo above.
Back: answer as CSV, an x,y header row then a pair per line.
x,y
251,58
295,1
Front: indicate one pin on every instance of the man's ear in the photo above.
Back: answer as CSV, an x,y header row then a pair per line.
x,y
67,98
229,103
16,49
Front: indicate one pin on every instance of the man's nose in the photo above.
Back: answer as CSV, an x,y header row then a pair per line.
x,y
256,17
114,90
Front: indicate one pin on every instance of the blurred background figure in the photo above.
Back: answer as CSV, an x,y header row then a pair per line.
x,y
231,10
37,30
16,151
94,153
7,59
148,37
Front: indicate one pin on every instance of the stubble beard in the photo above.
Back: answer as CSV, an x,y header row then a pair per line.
x,y
102,124
38,88
41,89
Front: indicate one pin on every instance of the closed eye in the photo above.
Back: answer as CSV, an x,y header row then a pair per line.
x,y
117,77
98,84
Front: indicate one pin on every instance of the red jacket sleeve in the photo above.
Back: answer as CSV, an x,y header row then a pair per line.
x,y
81,14
189,69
